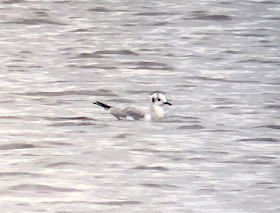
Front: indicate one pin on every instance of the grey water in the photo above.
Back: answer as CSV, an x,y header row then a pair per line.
x,y
217,149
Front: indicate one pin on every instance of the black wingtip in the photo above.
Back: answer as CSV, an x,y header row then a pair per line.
x,y
105,106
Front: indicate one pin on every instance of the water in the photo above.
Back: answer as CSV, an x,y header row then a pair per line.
x,y
216,61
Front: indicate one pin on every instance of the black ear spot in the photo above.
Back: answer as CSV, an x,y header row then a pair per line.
x,y
153,100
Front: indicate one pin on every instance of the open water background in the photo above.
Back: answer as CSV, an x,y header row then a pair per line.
x,y
217,149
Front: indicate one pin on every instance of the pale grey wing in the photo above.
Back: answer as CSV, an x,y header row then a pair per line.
x,y
135,113
118,113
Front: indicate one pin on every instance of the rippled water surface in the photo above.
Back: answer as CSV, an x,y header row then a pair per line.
x,y
217,150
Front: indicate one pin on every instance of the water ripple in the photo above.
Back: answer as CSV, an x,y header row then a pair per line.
x,y
155,168
42,188
191,127
102,53
100,92
258,140
203,16
40,21
17,146
8,174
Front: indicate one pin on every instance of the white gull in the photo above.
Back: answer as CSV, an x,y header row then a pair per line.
x,y
156,110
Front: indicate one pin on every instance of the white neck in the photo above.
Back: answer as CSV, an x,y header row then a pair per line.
x,y
156,112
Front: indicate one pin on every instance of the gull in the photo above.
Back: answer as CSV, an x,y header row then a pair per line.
x,y
156,110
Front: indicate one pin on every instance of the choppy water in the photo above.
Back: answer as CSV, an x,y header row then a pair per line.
x,y
218,147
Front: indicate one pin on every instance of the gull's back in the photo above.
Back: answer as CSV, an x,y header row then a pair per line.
x,y
135,113
118,113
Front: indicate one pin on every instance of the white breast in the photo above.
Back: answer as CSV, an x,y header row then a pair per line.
x,y
156,112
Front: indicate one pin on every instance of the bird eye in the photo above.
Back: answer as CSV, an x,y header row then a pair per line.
x,y
158,99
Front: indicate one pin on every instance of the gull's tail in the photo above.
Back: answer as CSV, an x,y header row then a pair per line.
x,y
105,106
